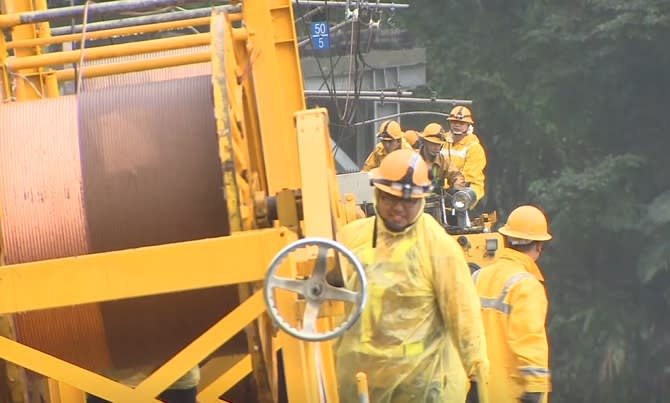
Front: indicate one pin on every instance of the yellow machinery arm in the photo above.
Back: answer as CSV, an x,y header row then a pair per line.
x,y
279,184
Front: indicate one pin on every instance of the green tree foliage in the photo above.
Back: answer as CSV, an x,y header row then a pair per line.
x,y
570,100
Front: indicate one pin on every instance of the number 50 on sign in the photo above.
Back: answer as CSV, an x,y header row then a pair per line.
x,y
320,35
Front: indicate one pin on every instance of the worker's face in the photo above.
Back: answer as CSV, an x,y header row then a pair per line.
x,y
397,213
458,128
391,145
431,149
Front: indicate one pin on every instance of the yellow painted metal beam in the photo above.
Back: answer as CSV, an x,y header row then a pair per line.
x,y
312,128
30,83
241,368
91,71
60,392
71,374
235,374
103,52
321,210
204,345
278,87
221,94
238,258
106,33
5,90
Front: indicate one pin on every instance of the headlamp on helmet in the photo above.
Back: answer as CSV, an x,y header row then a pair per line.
x,y
461,114
414,183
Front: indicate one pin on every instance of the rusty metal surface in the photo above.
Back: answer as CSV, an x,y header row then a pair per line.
x,y
151,172
152,175
121,167
43,212
43,218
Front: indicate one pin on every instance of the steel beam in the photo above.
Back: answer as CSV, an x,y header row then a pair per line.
x,y
348,4
143,20
161,26
132,66
71,374
104,52
153,270
12,20
383,98
343,94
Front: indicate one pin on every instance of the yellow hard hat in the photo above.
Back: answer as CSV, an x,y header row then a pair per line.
x,y
412,136
403,173
433,133
461,113
527,223
389,130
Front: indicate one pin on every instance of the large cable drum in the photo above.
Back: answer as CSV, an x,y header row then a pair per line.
x,y
115,167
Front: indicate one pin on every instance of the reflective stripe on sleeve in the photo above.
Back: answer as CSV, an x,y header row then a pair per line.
x,y
459,153
475,275
498,303
535,371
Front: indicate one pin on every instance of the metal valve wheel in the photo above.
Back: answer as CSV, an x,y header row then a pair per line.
x,y
316,290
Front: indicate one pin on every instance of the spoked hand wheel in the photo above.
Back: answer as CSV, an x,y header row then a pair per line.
x,y
316,290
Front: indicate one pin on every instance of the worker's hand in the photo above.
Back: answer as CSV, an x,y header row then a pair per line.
x,y
455,179
531,397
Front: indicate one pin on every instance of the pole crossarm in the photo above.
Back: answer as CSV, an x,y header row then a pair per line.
x,y
239,258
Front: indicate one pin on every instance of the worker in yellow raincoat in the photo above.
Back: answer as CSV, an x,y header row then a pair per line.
x,y
441,171
464,150
421,298
391,138
514,309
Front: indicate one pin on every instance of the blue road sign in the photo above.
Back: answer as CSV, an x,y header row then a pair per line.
x,y
320,35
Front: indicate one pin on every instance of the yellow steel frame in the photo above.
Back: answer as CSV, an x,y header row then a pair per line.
x,y
261,89
238,189
140,272
133,66
107,33
278,87
33,82
103,52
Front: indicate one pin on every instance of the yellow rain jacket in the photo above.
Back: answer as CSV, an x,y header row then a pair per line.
x,y
468,156
378,153
514,309
441,170
421,330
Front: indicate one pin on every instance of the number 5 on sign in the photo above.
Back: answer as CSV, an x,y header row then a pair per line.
x,y
320,35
